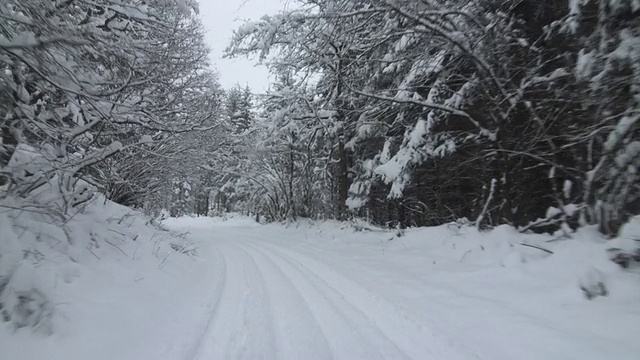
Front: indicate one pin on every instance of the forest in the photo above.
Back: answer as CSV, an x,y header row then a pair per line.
x,y
421,112
406,113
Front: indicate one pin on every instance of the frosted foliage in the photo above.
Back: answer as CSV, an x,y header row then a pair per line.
x,y
620,131
624,5
585,64
419,70
626,157
393,170
421,143
575,12
386,152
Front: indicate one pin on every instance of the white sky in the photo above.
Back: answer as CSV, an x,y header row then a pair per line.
x,y
221,17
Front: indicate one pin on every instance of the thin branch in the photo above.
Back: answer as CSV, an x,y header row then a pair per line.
x,y
537,247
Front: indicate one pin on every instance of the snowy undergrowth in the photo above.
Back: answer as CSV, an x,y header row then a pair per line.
x,y
78,285
574,265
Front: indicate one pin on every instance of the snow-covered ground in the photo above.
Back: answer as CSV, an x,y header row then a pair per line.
x,y
323,290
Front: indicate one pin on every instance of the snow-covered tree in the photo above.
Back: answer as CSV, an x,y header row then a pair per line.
x,y
239,108
102,90
447,109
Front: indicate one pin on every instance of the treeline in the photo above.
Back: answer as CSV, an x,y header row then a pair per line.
x,y
421,112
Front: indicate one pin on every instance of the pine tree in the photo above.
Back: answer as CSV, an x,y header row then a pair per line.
x,y
239,108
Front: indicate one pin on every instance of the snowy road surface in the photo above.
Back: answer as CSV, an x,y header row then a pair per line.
x,y
309,294
281,304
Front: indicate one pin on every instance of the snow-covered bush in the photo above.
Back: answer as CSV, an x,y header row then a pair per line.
x,y
51,226
42,253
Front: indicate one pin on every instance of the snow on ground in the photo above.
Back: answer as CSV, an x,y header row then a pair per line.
x,y
319,290
106,284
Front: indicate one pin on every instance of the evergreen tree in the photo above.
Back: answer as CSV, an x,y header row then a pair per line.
x,y
239,105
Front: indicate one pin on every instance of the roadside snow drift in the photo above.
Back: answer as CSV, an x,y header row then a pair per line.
x,y
104,284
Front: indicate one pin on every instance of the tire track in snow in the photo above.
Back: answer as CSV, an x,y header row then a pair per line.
x,y
218,291
417,341
459,297
350,332
241,324
298,334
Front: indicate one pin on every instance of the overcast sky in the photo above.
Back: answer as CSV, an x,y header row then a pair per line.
x,y
221,17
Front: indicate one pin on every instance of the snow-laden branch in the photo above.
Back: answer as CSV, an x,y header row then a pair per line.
x,y
428,105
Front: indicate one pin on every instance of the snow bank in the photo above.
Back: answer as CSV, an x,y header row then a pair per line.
x,y
87,286
186,223
459,247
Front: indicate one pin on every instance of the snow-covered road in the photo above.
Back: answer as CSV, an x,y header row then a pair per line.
x,y
306,293
275,303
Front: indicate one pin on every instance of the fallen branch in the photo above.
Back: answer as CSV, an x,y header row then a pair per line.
x,y
116,246
537,247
